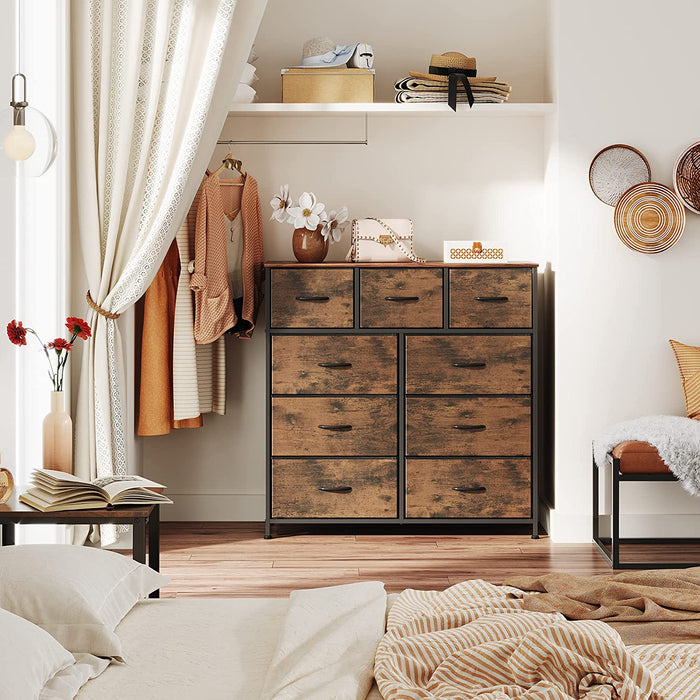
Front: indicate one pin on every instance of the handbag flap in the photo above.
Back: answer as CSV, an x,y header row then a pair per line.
x,y
370,228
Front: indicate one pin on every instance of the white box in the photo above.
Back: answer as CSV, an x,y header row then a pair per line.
x,y
473,252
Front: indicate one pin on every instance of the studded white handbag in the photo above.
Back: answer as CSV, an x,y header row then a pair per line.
x,y
382,240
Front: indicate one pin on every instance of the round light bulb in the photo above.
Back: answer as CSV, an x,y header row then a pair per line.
x,y
19,144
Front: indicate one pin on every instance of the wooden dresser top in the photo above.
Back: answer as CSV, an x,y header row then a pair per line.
x,y
407,263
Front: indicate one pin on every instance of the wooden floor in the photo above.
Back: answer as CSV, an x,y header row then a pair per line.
x,y
233,559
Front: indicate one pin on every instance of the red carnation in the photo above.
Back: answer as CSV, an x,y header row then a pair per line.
x,y
78,327
17,333
59,344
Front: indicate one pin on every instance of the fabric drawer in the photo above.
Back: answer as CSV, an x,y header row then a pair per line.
x,y
494,298
401,298
334,426
334,364
308,298
468,488
334,488
484,426
468,364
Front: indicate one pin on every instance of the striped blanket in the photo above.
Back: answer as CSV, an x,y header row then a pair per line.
x,y
475,640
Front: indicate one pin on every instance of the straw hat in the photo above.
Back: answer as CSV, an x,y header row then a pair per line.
x,y
443,62
323,52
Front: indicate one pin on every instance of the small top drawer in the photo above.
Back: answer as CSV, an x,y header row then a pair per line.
x,y
401,298
308,298
491,298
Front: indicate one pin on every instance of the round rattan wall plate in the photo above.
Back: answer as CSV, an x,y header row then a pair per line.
x,y
615,169
649,218
686,177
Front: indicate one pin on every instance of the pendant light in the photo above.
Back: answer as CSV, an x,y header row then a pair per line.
x,y
27,137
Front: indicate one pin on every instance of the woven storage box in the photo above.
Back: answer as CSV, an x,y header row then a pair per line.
x,y
470,252
327,85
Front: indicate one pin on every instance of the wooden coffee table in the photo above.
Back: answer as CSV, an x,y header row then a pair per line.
x,y
144,519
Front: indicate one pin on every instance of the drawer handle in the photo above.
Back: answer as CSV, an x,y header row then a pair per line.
x,y
469,365
335,489
305,297
336,428
335,365
469,489
470,428
491,299
402,299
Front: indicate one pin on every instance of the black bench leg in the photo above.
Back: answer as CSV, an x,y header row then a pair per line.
x,y
154,544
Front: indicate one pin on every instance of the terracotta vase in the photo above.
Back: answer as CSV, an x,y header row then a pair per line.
x,y
309,246
58,435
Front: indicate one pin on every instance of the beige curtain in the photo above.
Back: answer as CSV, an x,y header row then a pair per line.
x,y
152,82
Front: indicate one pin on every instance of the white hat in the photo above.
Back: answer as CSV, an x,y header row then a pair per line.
x,y
323,52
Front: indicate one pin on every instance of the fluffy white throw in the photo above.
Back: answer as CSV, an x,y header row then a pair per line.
x,y
676,438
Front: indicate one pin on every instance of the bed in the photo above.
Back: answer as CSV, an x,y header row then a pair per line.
x,y
184,648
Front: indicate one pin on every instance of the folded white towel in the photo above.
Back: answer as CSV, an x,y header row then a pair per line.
x,y
248,77
244,94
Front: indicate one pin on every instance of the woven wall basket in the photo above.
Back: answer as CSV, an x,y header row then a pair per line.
x,y
649,218
615,169
686,177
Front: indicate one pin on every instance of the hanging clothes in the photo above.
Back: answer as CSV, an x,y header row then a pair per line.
x,y
244,252
179,380
156,394
199,371
213,314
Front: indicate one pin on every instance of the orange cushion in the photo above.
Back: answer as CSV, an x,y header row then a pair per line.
x,y
639,458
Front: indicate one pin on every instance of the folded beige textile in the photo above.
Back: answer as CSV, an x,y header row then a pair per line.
x,y
474,640
490,84
645,607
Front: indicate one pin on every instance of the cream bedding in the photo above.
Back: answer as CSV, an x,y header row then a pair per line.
x,y
187,648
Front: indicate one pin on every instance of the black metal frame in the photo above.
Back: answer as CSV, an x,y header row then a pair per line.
x,y
149,523
401,334
610,547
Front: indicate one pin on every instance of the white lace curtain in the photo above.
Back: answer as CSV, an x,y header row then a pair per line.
x,y
152,81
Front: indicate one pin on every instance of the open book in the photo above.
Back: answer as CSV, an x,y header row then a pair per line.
x,y
53,490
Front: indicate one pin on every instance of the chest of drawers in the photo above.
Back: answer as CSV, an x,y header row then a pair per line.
x,y
403,394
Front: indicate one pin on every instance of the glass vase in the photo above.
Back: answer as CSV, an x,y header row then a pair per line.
x,y
58,436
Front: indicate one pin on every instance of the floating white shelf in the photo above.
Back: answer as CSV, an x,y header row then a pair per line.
x,y
507,109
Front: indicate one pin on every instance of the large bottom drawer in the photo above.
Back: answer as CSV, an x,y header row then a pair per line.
x,y
468,488
334,488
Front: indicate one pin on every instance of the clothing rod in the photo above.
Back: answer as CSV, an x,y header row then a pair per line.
x,y
229,142
284,142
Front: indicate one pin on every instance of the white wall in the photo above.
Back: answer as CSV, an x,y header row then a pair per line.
x,y
626,73
616,78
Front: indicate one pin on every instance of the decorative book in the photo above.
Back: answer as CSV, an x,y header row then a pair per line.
x,y
53,490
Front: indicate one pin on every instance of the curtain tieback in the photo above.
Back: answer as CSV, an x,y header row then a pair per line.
x,y
99,309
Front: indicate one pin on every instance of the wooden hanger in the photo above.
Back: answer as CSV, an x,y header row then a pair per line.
x,y
231,163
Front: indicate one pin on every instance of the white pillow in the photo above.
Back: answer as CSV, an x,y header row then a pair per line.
x,y
77,594
34,665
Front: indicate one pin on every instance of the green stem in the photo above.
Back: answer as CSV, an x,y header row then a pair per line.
x,y
52,373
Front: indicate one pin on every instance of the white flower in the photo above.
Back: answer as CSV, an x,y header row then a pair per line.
x,y
334,224
280,204
308,214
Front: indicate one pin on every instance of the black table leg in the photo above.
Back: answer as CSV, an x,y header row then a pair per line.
x,y
154,544
139,540
8,533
